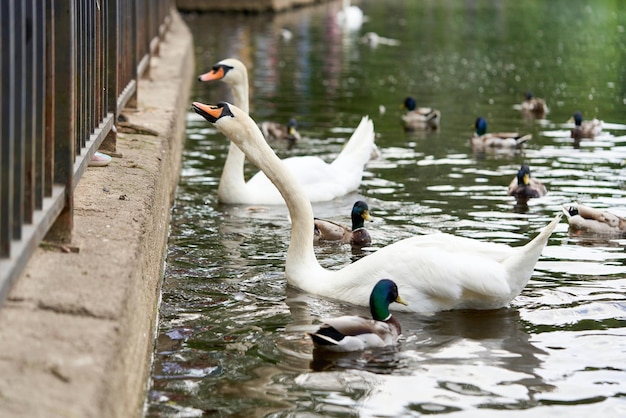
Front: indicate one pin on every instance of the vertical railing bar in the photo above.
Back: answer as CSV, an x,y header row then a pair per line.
x,y
5,244
91,67
133,58
39,39
64,115
48,159
30,77
113,65
98,64
84,66
19,111
81,43
78,42
7,91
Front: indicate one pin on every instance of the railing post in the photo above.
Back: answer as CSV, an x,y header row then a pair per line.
x,y
134,54
64,113
111,67
7,93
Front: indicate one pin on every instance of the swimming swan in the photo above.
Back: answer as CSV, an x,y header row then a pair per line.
x,y
321,181
433,272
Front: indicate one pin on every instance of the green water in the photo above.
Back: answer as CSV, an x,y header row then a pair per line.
x,y
232,334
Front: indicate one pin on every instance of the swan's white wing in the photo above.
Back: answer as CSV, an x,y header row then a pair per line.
x,y
433,272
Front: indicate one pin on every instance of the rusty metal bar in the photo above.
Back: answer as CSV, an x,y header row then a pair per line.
x,y
7,93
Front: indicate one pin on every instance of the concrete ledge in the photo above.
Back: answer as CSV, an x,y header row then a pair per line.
x,y
77,332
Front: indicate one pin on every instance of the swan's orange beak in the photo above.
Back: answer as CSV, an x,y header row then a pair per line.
x,y
209,112
215,74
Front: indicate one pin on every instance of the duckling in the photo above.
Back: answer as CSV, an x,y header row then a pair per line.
x,y
585,218
525,187
273,131
326,230
419,117
585,129
355,333
534,105
481,140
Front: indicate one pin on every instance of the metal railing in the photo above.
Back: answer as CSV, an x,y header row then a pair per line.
x,y
67,69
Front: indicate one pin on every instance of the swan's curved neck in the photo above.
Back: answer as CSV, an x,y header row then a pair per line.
x,y
300,254
232,179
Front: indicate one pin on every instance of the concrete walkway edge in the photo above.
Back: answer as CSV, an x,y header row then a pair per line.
x,y
77,332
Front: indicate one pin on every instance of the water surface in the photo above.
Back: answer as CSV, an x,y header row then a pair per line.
x,y
232,334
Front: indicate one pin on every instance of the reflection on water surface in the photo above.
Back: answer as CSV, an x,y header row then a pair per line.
x,y
232,335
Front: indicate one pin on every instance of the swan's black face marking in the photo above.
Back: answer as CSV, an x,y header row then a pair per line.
x,y
218,72
221,70
212,113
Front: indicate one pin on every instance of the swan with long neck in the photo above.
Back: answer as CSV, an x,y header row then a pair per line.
x,y
321,181
433,272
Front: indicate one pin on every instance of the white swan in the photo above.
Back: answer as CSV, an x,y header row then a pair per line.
x,y
433,272
321,181
350,17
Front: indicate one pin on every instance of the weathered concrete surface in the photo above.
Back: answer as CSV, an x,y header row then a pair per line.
x,y
76,334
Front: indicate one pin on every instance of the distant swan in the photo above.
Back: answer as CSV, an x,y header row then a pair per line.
x,y
350,17
433,272
321,181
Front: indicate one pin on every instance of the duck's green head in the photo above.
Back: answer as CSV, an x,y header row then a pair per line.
x,y
360,213
481,126
409,103
385,292
578,118
523,175
528,95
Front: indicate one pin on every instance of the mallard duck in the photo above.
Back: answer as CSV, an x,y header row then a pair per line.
x,y
585,218
585,129
419,117
534,105
433,272
481,140
356,333
326,230
274,131
523,186
321,181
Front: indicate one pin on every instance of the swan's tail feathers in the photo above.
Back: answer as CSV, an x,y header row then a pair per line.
x,y
521,264
534,247
359,149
